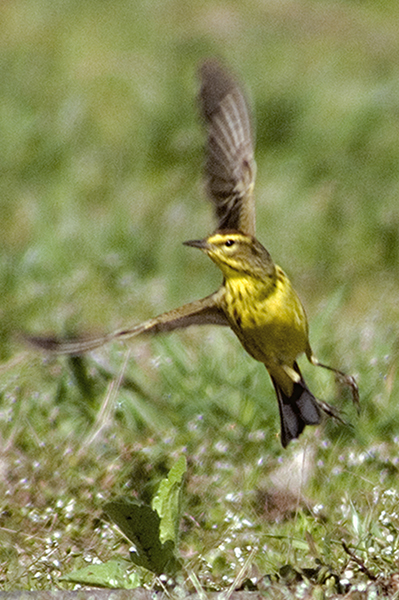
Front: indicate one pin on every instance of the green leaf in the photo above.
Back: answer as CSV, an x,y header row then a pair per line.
x,y
167,501
116,573
300,544
140,524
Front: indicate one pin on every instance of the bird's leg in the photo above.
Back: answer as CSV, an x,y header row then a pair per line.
x,y
331,411
348,380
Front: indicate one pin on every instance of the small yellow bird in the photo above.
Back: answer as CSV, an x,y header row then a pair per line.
x,y
256,299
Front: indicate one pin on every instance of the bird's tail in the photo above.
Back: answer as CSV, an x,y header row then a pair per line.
x,y
297,410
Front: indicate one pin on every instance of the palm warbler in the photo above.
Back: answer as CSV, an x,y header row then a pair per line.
x,y
256,299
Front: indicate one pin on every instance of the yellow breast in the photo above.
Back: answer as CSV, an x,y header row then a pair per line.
x,y
268,318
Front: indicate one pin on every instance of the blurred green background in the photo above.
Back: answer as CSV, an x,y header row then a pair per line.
x,y
101,153
101,156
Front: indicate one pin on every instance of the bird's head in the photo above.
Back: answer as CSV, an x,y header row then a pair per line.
x,y
236,254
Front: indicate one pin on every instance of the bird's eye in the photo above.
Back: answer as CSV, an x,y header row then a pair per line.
x,y
229,243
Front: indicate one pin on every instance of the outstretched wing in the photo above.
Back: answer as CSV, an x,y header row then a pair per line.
x,y
230,165
200,312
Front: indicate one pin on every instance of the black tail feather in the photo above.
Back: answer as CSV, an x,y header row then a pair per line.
x,y
296,411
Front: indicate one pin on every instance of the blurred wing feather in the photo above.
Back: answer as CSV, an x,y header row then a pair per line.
x,y
200,312
230,165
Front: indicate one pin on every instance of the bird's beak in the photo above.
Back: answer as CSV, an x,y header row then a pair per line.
x,y
201,244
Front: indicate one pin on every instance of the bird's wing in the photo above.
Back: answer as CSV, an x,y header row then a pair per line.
x,y
200,312
230,165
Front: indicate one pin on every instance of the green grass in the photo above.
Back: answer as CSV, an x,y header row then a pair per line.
x,y
101,158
